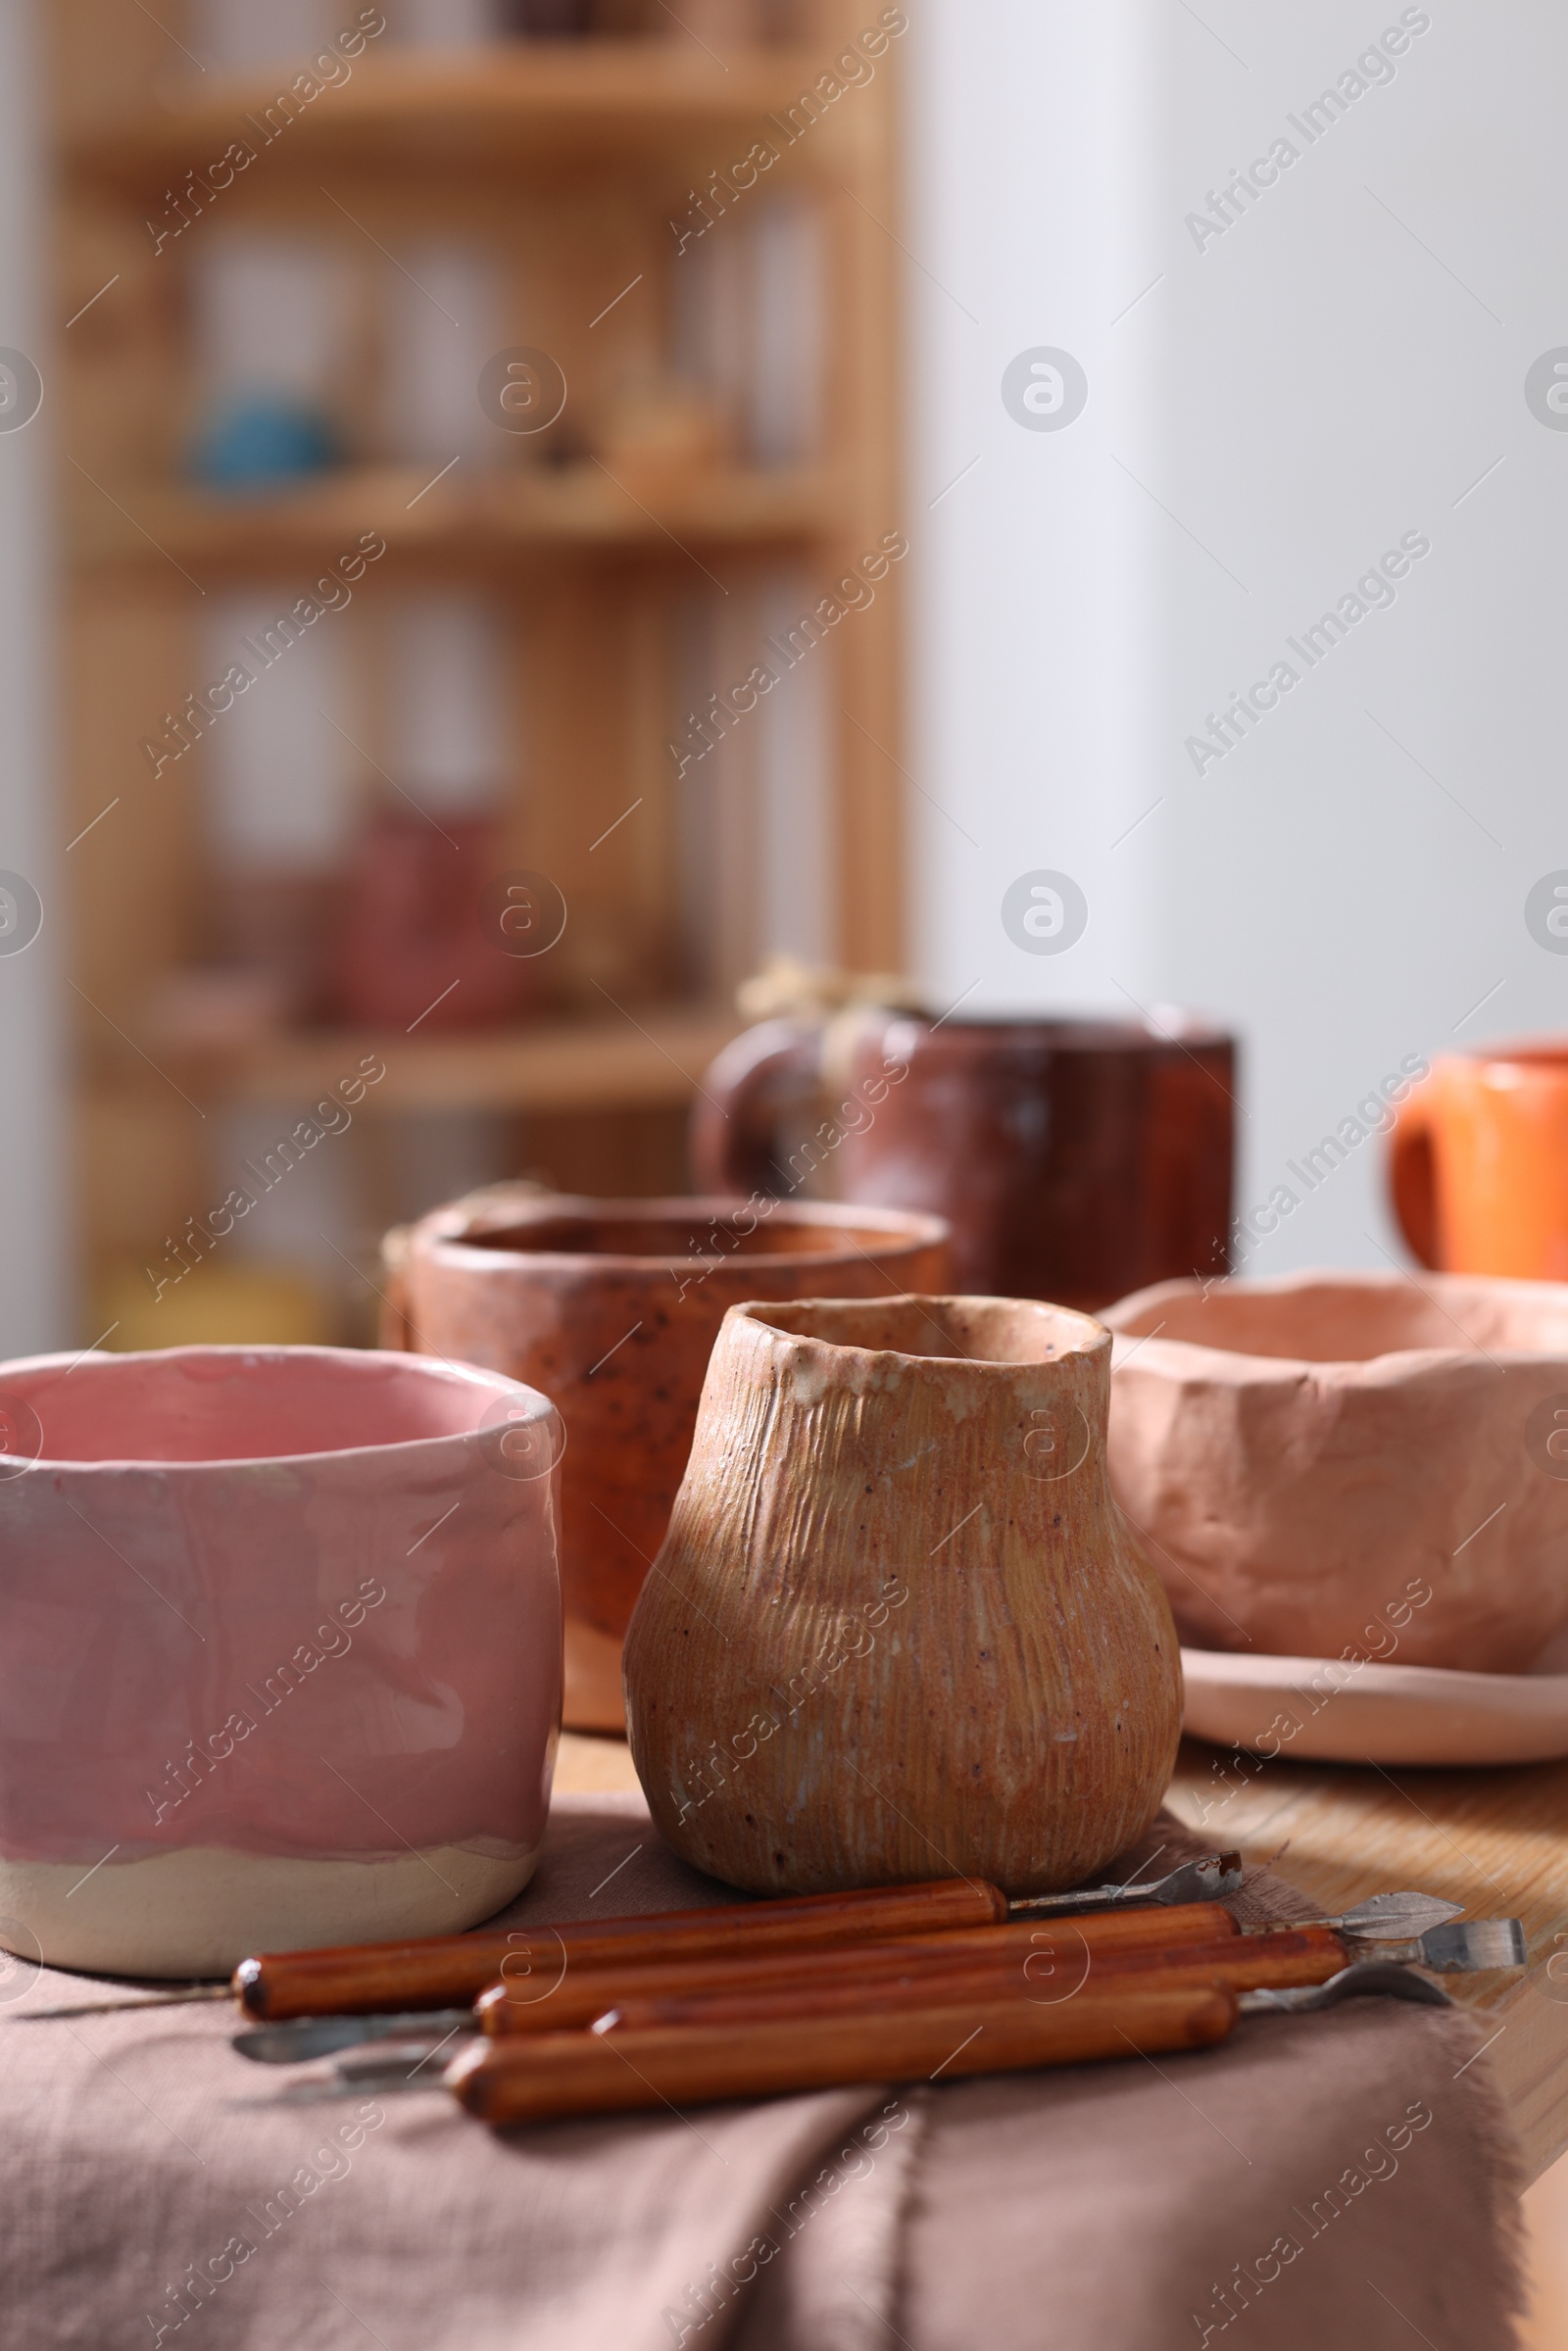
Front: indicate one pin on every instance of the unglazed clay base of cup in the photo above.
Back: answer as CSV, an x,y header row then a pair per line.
x,y
200,1911
1329,1710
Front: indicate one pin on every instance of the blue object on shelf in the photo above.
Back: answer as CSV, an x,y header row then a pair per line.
x,y
257,442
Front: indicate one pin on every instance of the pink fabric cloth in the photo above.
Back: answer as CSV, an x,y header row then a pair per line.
x,y
156,2189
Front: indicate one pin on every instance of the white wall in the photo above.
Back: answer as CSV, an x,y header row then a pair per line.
x,y
1297,393
35,1306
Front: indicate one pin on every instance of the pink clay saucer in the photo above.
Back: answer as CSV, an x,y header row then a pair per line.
x,y
1330,1710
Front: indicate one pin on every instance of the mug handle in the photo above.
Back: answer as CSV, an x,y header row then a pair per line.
x,y
754,1081
396,1333
1412,1179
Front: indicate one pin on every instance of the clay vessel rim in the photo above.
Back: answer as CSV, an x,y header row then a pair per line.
x,y
757,1313
882,1228
1537,1057
1174,1354
400,1448
1098,1033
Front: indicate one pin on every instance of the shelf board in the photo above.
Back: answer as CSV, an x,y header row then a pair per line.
x,y
521,107
489,516
651,1058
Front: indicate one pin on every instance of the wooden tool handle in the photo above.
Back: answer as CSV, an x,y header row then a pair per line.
x,y
443,1970
554,2003
599,2073
1240,1963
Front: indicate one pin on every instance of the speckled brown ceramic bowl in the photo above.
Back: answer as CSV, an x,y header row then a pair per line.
x,y
612,1308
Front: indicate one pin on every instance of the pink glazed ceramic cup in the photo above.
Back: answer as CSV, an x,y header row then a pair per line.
x,y
279,1651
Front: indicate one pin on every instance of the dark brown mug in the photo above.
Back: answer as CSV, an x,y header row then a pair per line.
x,y
1075,1160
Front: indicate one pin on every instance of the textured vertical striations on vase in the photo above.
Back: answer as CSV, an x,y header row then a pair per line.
x,y
898,1627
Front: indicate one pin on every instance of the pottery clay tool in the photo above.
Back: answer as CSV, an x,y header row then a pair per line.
x,y
597,2072
1278,1959
1039,1963
1207,1879
1459,1948
1393,1915
1017,1945
439,1970
1240,1963
1052,1960
1128,2012
580,1995
387,2068
1373,1977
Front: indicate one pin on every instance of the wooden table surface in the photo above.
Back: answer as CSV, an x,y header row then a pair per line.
x,y
1495,1840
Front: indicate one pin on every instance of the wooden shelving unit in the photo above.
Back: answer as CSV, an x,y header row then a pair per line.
x,y
651,1062
568,162
579,506
528,108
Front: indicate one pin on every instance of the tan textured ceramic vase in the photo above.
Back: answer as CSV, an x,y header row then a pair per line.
x,y
615,1306
898,1628
1336,1461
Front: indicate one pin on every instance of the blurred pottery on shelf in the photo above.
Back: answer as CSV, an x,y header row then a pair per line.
x,y
1074,1159
898,1621
274,923
548,19
658,434
611,1307
1478,1163
412,945
215,1304
321,1706
263,443
1351,1463
217,1008
727,24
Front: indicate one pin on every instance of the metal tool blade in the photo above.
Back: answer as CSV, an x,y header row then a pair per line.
x,y
414,2063
1397,1917
1475,1943
1453,1950
1373,1976
386,2066
1207,1879
306,2038
317,2093
127,2003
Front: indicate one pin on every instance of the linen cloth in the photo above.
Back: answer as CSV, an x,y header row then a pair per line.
x,y
1276,2193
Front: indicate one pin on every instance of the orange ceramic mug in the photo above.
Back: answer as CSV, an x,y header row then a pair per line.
x,y
1479,1162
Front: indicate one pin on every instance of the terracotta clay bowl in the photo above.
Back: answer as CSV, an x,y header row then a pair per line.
x,y
612,1308
279,1651
1350,1464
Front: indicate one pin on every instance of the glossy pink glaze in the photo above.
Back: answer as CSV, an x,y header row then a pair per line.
x,y
199,1519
